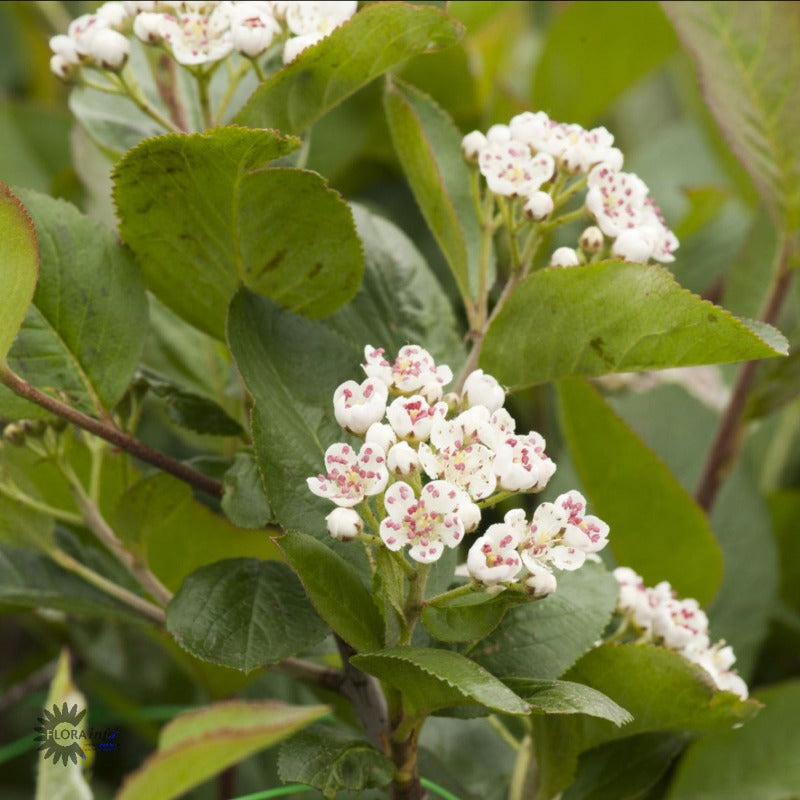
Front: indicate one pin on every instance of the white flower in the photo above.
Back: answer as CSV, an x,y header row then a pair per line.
x,y
538,206
64,46
351,476
412,417
198,36
466,464
382,435
357,407
591,240
61,68
82,29
585,531
314,18
297,44
541,581
472,144
493,557
510,169
252,28
483,390
428,523
495,429
664,240
634,245
115,14
498,134
413,370
109,48
521,465
344,524
469,512
545,545
616,200
583,149
681,624
133,7
147,27
634,597
402,460
538,131
564,257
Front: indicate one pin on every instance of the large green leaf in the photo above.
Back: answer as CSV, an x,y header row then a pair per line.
x,y
277,351
428,146
567,82
758,761
32,580
199,744
19,264
373,41
335,589
245,502
323,758
749,69
614,317
243,613
84,332
204,216
464,623
431,679
660,689
159,516
544,638
656,526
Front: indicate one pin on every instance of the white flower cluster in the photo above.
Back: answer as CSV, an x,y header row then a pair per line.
x,y
195,33
531,156
468,450
679,625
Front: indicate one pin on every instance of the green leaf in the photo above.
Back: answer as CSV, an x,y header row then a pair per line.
x,y
542,639
32,580
204,216
159,517
775,388
57,778
22,526
760,760
656,527
613,317
324,759
661,690
566,697
276,351
428,146
624,770
198,745
373,41
190,410
749,71
431,679
245,502
84,332
243,613
784,506
335,589
19,262
568,84
464,623
388,587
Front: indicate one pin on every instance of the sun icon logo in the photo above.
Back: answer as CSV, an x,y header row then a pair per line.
x,y
57,733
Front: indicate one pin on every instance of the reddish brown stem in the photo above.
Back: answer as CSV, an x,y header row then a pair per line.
x,y
730,432
110,433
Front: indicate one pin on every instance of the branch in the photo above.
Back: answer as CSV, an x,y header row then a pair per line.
x,y
728,439
309,672
110,433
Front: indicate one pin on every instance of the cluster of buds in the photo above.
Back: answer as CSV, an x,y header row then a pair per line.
x,y
659,616
533,157
194,33
432,460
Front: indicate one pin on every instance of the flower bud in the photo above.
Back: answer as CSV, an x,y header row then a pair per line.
x,y
432,392
539,206
541,583
470,514
472,144
591,240
34,427
402,460
344,524
110,49
381,434
61,68
114,14
147,27
64,46
498,134
564,257
633,245
14,434
483,390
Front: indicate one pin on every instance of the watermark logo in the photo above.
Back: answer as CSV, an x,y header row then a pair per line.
x,y
60,736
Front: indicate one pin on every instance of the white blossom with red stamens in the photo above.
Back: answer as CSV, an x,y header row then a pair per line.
x,y
412,371
412,417
199,34
358,406
581,530
493,557
253,27
616,199
427,523
663,239
351,476
510,169
521,464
